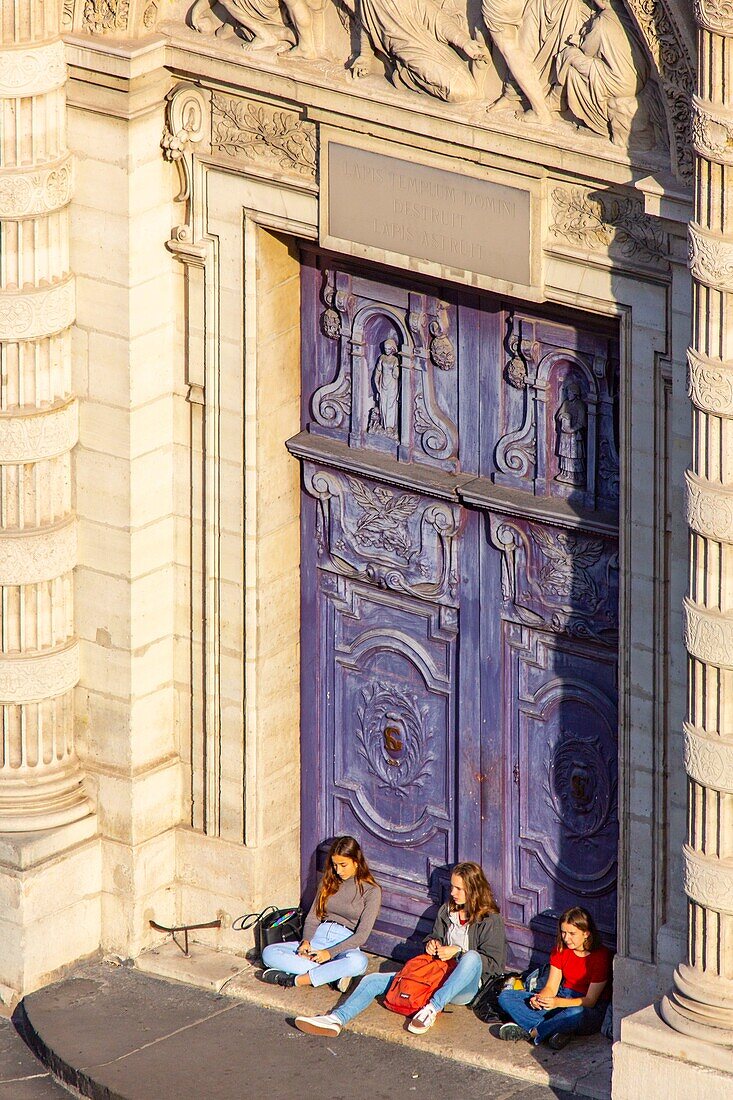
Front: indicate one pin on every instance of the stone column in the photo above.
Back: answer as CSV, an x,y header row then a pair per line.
x,y
701,1003
40,782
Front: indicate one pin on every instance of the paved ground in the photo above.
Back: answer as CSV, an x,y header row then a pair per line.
x,y
582,1068
23,1077
118,1034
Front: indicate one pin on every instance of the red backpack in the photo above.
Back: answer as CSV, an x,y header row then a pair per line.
x,y
415,983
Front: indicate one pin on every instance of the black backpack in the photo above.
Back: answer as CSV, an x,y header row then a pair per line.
x,y
486,1002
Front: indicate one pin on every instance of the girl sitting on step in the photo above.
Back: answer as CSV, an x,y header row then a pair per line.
x,y
338,925
575,996
468,927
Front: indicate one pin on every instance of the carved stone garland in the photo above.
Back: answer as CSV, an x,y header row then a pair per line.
x,y
116,18
701,1003
40,782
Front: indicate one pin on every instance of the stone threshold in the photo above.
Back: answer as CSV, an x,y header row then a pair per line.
x,y
583,1067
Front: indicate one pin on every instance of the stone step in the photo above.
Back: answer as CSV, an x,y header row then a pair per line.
x,y
582,1068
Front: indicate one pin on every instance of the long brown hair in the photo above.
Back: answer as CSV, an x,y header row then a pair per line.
x,y
480,900
342,846
581,919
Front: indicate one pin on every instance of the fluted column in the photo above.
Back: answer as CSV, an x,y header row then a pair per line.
x,y
701,1003
40,781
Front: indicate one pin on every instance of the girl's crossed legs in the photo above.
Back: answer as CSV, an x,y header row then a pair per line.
x,y
575,1020
328,934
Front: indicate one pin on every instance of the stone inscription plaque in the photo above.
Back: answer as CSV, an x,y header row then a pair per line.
x,y
429,213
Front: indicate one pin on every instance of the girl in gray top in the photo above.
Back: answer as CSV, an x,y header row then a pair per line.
x,y
338,925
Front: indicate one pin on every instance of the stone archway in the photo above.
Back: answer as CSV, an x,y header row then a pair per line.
x,y
669,35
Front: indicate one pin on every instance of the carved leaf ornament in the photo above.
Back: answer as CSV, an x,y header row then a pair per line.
x,y
383,519
394,738
591,221
251,129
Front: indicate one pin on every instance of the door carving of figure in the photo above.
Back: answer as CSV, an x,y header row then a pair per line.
x,y
459,597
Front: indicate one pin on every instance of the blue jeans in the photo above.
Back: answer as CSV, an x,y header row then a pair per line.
x,y
575,1020
346,964
459,988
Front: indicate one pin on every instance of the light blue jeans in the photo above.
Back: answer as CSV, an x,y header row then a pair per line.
x,y
575,1020
346,964
459,988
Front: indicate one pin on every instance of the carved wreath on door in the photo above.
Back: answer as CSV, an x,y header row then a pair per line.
x,y
394,738
581,784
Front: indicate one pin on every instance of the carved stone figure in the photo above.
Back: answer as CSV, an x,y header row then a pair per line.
x,y
571,420
383,417
421,40
603,74
504,18
546,27
263,23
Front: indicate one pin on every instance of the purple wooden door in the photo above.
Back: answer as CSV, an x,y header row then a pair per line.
x,y
459,597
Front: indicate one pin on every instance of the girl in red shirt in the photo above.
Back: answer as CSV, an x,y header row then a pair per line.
x,y
575,996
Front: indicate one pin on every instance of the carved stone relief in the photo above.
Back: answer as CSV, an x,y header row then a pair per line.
x,y
34,70
716,15
24,193
708,635
297,27
42,435
429,47
710,383
602,76
672,51
708,760
26,315
396,540
187,116
711,259
591,219
116,18
712,133
29,679
569,62
260,133
707,880
29,557
709,512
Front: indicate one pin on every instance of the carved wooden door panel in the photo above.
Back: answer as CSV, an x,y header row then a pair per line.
x,y
386,550
551,663
459,597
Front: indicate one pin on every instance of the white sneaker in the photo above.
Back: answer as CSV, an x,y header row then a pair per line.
x,y
318,1025
343,984
424,1019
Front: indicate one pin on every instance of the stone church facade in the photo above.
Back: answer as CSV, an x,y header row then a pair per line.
x,y
349,482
